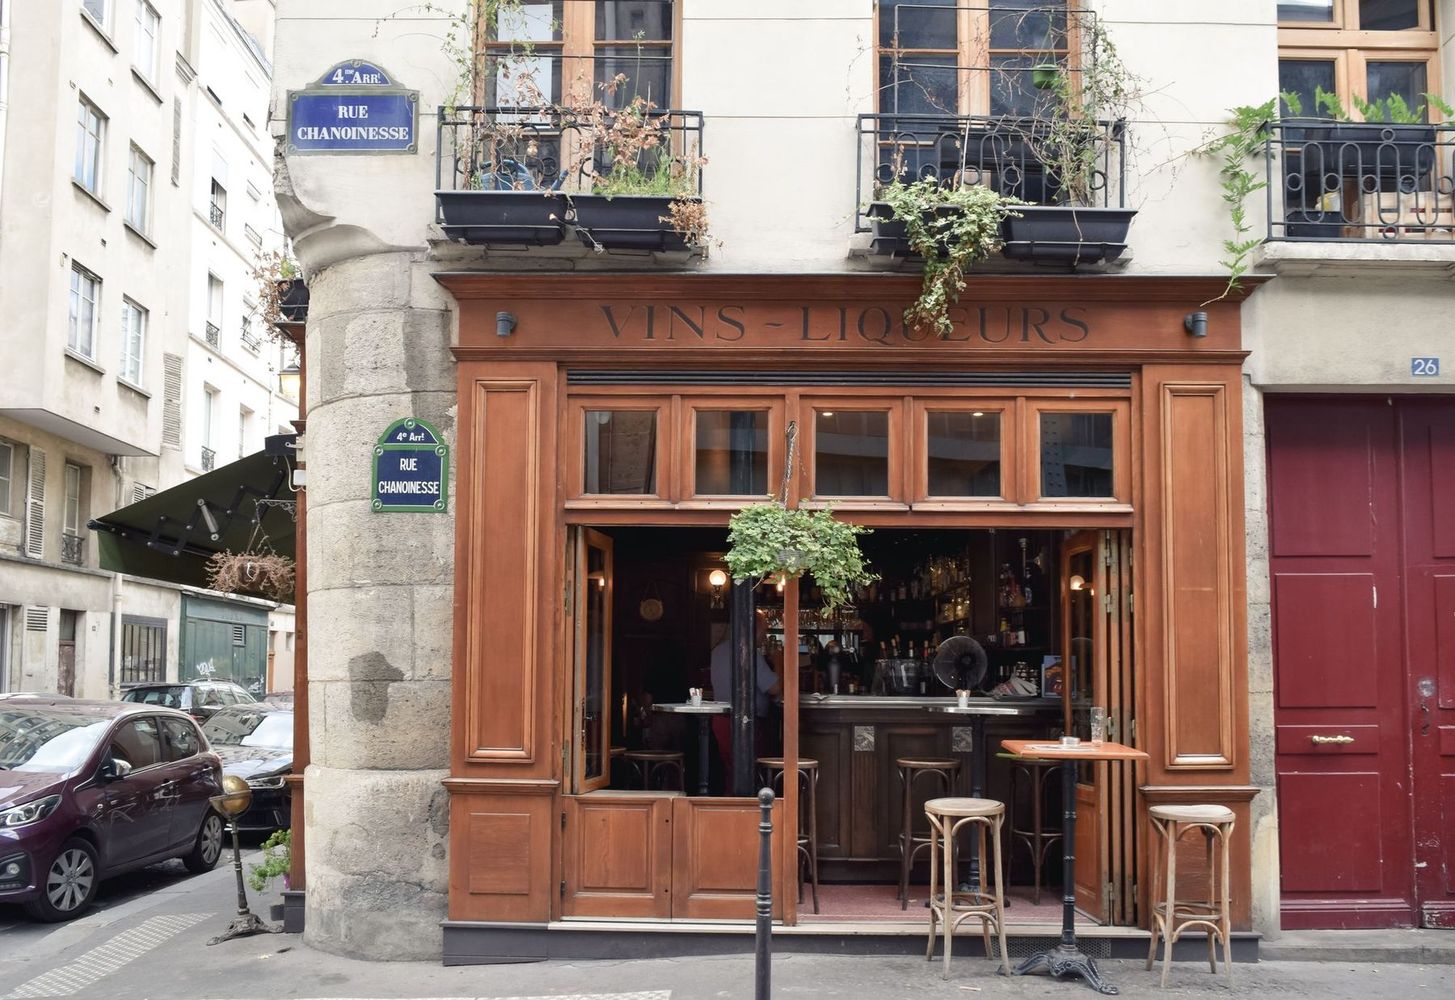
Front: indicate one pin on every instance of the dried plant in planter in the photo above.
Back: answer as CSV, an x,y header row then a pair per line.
x,y
273,273
265,573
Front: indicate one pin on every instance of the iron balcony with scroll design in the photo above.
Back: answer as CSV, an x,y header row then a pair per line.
x,y
73,549
1335,181
209,459
1084,221
525,176
214,335
251,339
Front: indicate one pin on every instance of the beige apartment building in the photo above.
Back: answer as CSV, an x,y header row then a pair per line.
x,y
135,194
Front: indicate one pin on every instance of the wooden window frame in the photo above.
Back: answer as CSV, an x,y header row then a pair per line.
x,y
1121,444
972,53
667,410
897,459
691,405
1008,408
577,48
1352,49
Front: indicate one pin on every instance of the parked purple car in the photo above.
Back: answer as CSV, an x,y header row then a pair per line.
x,y
90,789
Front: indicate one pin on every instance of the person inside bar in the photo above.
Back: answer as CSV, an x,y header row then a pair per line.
x,y
768,683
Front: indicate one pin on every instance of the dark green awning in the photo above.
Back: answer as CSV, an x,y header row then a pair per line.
x,y
244,506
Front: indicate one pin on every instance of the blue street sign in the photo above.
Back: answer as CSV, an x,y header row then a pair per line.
x,y
411,469
353,108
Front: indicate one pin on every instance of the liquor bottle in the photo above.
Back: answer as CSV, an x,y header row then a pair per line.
x,y
1003,592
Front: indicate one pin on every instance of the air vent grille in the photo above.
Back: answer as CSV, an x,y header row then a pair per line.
x,y
239,635
37,619
935,379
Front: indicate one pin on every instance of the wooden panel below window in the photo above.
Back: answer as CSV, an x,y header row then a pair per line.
x,y
715,859
500,851
617,855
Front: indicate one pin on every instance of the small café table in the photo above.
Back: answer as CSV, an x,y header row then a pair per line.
x,y
702,711
1066,959
975,713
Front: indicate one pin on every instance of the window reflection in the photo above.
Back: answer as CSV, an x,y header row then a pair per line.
x,y
851,453
963,454
621,451
1076,455
732,453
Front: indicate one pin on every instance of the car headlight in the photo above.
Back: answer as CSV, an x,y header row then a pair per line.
x,y
267,781
30,812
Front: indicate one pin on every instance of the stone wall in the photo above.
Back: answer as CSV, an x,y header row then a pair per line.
x,y
380,598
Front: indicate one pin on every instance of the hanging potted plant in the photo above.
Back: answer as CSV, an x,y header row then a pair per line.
x,y
264,573
1075,131
772,539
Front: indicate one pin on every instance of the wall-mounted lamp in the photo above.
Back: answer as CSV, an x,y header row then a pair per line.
x,y
718,579
504,324
289,380
1195,324
1077,583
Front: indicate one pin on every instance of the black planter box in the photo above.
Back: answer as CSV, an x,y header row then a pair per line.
x,y
626,222
1066,234
890,235
1393,157
530,217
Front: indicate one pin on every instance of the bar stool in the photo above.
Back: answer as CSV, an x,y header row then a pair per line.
x,y
1037,838
951,907
942,770
1170,915
771,769
650,764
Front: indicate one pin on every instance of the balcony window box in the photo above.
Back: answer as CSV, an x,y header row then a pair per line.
x,y
627,221
533,217
1380,156
1066,234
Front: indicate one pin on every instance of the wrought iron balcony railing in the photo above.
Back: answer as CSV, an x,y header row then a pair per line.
x,y
215,214
209,459
1360,182
251,339
543,149
214,335
73,549
1015,156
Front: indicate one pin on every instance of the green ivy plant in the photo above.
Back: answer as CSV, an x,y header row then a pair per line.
x,y
277,861
952,228
1391,109
1239,147
772,539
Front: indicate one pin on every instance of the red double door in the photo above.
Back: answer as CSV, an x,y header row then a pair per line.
x,y
1362,567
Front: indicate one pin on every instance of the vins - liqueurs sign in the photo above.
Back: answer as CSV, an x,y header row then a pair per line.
x,y
411,469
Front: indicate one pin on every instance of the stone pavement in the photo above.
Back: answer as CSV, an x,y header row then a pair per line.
x,y
151,945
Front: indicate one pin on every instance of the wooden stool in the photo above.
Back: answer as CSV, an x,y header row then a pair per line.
x,y
1036,837
951,907
943,770
1170,915
772,772
649,764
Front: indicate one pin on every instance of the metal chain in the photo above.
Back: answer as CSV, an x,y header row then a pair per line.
x,y
792,436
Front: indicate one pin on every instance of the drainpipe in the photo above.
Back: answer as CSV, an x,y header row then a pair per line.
x,y
4,82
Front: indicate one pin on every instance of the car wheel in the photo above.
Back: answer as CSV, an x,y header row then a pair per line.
x,y
69,884
208,846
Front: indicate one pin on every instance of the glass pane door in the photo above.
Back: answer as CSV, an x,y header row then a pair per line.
x,y
593,661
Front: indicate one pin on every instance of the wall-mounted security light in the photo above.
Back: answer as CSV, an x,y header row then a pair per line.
x,y
1195,323
504,324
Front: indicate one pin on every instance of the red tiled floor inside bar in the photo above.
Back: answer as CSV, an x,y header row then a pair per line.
x,y
881,902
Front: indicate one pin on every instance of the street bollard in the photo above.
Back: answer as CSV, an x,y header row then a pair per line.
x,y
762,990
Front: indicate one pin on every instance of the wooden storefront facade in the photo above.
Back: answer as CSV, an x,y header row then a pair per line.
x,y
523,851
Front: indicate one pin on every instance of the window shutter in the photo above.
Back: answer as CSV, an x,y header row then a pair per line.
x,y
139,492
172,400
35,507
176,141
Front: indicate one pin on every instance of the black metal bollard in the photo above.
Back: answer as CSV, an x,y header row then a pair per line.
x,y
763,953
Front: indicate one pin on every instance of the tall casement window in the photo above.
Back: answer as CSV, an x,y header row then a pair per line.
x,y
90,133
72,522
209,425
214,311
1369,49
85,294
576,51
971,57
133,340
99,11
148,27
139,168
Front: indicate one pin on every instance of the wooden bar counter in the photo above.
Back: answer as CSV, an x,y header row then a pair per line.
x,y
856,740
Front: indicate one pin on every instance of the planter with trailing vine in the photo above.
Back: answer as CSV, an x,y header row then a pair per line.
x,y
535,218
890,235
627,221
1066,234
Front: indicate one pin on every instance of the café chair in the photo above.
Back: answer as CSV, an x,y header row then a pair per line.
x,y
950,907
1037,836
771,769
939,771
1172,916
660,766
